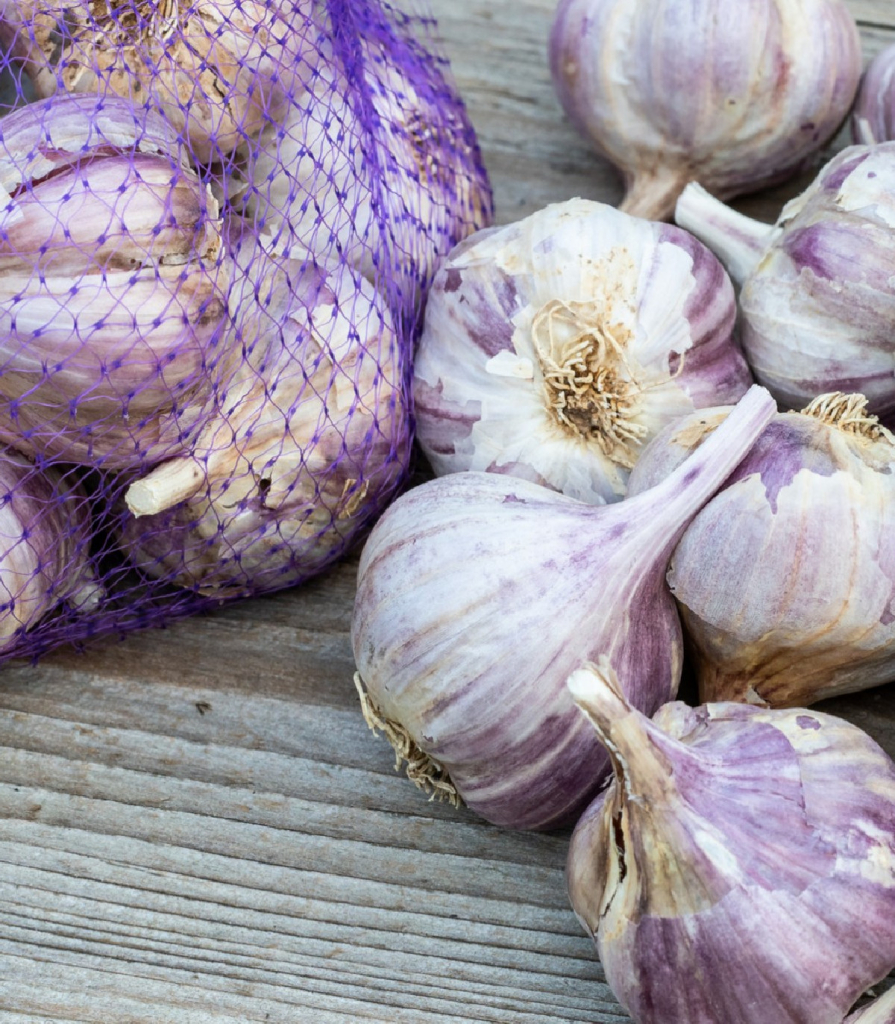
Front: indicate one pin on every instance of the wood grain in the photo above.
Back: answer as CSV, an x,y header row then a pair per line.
x,y
196,826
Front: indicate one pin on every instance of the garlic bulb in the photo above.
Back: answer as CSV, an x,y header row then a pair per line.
x,y
817,305
741,865
390,189
477,596
673,91
873,117
311,440
555,348
803,525
218,71
113,287
44,547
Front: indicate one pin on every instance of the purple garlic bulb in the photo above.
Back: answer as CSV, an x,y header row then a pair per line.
x,y
311,440
478,595
44,547
817,304
740,867
735,95
555,348
113,286
805,525
873,117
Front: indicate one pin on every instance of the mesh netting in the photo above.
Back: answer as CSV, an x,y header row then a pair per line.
x,y
219,220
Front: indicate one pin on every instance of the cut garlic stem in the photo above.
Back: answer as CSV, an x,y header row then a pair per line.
x,y
166,485
651,195
736,240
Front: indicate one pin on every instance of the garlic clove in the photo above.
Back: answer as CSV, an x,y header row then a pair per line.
x,y
555,348
672,92
873,115
802,524
741,864
478,595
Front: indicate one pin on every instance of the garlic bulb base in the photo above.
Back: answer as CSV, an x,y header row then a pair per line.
x,y
736,240
423,771
652,195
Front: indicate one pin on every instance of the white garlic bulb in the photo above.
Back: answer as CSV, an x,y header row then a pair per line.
x,y
733,94
555,348
740,867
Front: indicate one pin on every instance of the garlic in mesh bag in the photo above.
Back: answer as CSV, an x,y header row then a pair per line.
x,y
223,368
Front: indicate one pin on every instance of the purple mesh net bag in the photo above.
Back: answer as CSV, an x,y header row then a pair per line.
x,y
219,221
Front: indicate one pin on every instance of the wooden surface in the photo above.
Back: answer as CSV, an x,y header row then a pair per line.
x,y
197,827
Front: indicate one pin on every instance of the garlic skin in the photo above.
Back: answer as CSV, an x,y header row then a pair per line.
x,y
741,864
672,92
818,312
880,1011
873,116
390,189
555,348
44,547
311,440
804,525
478,594
113,286
218,71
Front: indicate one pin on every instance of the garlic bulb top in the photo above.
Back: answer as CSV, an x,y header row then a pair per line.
x,y
817,305
113,285
674,91
311,438
741,864
478,595
555,348
805,526
873,117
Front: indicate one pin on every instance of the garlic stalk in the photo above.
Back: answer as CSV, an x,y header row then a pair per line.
x,y
311,439
113,287
672,91
555,348
390,189
44,547
873,116
818,313
479,594
218,71
803,525
740,867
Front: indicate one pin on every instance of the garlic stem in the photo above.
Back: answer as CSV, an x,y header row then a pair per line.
x,y
736,240
166,485
882,1011
652,194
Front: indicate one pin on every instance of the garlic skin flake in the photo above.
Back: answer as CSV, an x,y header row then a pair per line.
x,y
817,303
805,526
478,595
672,91
554,348
741,864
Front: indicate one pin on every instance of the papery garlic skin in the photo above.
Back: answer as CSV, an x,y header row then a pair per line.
x,y
390,189
219,71
44,546
805,526
672,92
873,116
113,286
555,348
741,864
478,594
818,310
311,440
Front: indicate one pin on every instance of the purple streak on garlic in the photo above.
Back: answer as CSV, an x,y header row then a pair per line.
x,y
113,288
311,439
818,310
44,547
554,348
673,91
806,527
741,864
873,116
478,595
